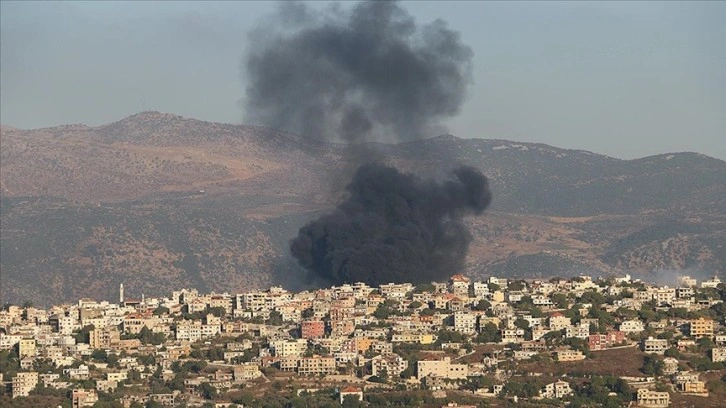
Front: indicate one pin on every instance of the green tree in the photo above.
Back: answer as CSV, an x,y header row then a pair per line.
x,y
207,390
161,310
482,305
275,318
489,334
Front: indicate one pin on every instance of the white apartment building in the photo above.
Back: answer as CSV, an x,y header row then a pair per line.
x,y
465,322
657,346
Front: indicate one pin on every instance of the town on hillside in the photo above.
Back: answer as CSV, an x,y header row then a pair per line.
x,y
560,342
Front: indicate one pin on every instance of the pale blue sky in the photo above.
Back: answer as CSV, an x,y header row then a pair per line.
x,y
625,79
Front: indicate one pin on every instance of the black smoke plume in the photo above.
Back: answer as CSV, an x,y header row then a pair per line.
x,y
369,73
394,227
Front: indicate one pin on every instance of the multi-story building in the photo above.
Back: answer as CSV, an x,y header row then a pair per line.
x,y
631,326
670,365
440,367
711,283
104,338
579,331
558,389
718,354
558,321
312,329
657,346
316,365
603,341
459,285
26,348
512,336
395,290
421,338
289,348
135,322
342,327
83,398
701,327
392,364
465,322
23,383
189,330
688,382
664,296
246,372
653,399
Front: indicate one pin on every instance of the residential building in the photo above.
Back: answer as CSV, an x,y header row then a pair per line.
x,y
558,321
657,346
579,331
465,322
312,329
701,327
23,383
689,382
316,365
392,364
631,326
246,372
569,355
289,348
718,354
83,398
653,399
26,348
558,389
440,367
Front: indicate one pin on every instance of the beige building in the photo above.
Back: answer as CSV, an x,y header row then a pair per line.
x,y
316,365
441,367
701,327
570,355
653,399
246,372
26,348
421,338
657,346
120,376
104,338
23,383
689,382
631,326
718,354
292,348
557,389
558,321
392,364
83,398
465,322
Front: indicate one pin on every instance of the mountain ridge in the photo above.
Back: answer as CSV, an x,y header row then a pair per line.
x,y
158,198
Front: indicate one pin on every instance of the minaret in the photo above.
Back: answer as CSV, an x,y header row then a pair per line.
x,y
121,294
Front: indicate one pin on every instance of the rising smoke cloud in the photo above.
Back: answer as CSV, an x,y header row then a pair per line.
x,y
361,75
357,75
394,227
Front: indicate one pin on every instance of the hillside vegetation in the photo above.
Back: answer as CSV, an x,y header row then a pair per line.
x,y
158,201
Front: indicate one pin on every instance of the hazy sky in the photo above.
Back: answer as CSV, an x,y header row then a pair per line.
x,y
625,79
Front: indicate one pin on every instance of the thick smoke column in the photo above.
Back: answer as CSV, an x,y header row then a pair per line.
x,y
361,75
365,74
394,227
